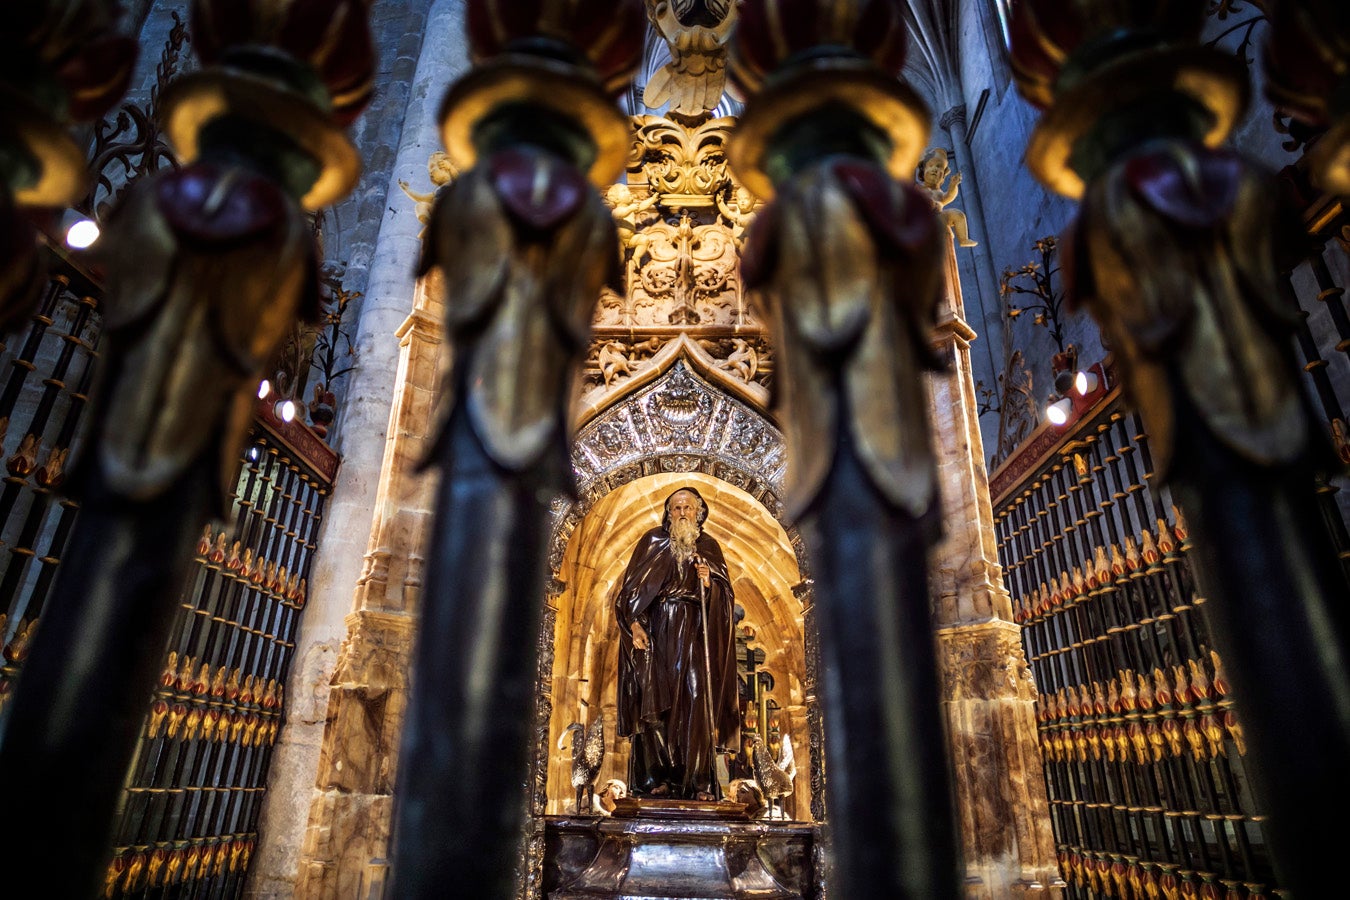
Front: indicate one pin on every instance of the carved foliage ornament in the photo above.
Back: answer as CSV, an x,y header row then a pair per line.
x,y
680,217
681,160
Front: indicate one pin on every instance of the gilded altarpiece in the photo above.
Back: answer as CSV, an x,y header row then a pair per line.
x,y
675,389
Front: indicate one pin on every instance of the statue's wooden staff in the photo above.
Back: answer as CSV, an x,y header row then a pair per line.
x,y
707,673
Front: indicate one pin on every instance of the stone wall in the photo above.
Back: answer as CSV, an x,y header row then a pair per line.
x,y
374,234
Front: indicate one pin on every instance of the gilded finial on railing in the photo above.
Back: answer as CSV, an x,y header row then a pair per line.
x,y
65,63
849,257
1307,63
206,269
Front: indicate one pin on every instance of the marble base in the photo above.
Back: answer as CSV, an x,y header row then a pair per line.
x,y
684,849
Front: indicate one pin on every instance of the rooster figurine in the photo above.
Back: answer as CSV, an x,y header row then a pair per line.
x,y
775,778
588,751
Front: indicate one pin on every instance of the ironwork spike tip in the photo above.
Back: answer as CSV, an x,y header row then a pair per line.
x,y
1095,61
814,67
546,73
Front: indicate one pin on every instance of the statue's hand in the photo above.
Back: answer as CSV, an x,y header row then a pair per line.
x,y
703,572
640,639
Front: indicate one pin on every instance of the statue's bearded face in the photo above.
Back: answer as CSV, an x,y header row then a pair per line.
x,y
684,514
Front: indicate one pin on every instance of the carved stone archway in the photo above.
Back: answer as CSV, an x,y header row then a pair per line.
x,y
677,428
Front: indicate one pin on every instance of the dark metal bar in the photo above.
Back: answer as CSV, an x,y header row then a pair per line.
x,y
72,724
880,687
453,828
67,743
23,361
1314,364
1270,608
460,796
1330,295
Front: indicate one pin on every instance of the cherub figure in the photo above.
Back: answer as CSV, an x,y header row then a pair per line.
x,y
933,171
738,207
626,210
619,198
442,171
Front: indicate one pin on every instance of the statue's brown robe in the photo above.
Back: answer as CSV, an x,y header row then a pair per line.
x,y
665,685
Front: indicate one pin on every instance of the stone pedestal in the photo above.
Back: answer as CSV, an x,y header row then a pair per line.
x,y
681,849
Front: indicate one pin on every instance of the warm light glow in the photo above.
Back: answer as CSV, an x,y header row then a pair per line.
x,y
1085,383
1058,412
81,234
286,410
264,388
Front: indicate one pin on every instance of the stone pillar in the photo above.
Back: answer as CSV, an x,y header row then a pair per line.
x,y
987,298
346,684
988,695
346,840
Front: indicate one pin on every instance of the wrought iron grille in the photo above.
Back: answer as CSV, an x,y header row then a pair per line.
x,y
1144,755
47,370
188,824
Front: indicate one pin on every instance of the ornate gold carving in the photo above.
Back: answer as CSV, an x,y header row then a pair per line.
x,y
678,273
685,166
680,217
679,413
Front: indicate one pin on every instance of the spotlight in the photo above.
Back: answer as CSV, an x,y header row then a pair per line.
x,y
1064,381
80,232
1058,411
264,388
286,410
1085,382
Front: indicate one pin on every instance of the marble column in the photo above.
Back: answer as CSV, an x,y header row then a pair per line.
x,y
988,694
324,831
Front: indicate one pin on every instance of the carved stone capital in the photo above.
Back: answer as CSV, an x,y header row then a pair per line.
x,y
374,650
956,116
985,662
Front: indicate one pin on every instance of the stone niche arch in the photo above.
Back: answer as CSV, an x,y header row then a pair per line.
x,y
677,430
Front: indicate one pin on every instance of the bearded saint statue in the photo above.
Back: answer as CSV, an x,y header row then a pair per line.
x,y
678,693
